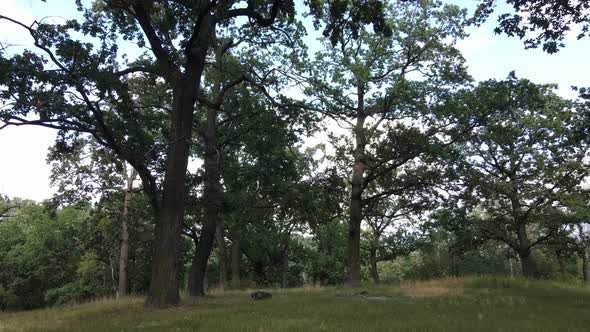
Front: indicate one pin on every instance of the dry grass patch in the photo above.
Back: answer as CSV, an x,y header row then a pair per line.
x,y
61,317
435,287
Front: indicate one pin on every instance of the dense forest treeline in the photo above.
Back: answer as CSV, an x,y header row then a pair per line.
x,y
192,166
53,256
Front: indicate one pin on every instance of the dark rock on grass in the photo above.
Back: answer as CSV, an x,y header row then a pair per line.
x,y
363,293
260,295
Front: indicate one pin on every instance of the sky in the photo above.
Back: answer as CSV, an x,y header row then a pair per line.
x,y
24,172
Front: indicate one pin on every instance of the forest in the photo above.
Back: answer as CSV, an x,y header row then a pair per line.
x,y
210,146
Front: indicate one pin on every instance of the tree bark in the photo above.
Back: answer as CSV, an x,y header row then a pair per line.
x,y
192,272
213,227
124,238
212,202
373,268
524,245
212,195
164,283
235,259
524,252
220,239
356,204
528,265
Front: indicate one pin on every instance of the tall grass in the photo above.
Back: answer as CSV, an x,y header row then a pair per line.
x,y
455,304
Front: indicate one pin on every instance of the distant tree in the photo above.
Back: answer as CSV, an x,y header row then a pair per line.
x,y
326,218
388,237
39,252
578,230
6,206
521,166
382,90
583,244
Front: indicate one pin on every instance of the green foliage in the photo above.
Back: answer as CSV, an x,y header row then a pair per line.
x,y
328,255
38,254
69,254
519,168
543,23
92,281
422,135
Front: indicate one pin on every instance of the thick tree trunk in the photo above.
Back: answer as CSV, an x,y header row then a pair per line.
x,y
235,259
585,275
526,260
356,204
220,239
212,201
164,283
124,238
285,267
373,268
192,272
528,265
524,245
197,276
212,196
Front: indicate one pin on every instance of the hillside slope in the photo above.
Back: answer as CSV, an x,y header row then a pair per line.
x,y
468,304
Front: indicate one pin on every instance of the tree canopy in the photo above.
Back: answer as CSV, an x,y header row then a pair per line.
x,y
190,158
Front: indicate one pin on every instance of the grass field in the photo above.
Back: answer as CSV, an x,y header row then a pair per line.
x,y
467,304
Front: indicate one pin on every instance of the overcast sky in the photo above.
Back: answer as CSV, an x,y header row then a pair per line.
x,y
24,172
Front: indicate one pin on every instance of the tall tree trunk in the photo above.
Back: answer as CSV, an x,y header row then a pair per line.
x,y
164,283
212,201
585,275
235,259
285,267
526,259
212,210
373,268
356,203
220,239
212,195
524,245
192,272
528,265
124,238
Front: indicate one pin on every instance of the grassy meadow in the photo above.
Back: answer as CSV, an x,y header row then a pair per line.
x,y
465,304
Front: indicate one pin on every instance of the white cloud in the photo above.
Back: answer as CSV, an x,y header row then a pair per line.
x,y
477,42
10,34
23,170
